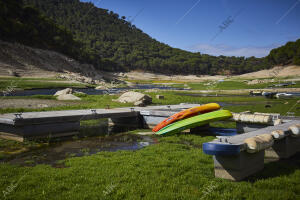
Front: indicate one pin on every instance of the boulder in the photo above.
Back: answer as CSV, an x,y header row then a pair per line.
x,y
88,80
13,73
65,91
101,87
65,97
137,98
98,82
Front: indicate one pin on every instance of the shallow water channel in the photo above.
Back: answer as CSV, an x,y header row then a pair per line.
x,y
89,91
86,143
56,152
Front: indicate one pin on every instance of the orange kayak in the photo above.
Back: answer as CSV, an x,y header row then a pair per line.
x,y
187,113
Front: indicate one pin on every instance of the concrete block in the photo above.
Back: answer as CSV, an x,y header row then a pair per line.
x,y
238,167
283,148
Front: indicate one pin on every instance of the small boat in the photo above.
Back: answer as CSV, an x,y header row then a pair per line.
x,y
270,95
278,95
196,121
187,113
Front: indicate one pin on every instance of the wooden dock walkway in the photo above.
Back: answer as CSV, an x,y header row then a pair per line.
x,y
20,126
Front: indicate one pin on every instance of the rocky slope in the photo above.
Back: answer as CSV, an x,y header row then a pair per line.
x,y
279,71
24,61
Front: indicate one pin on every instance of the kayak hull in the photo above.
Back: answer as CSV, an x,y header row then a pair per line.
x,y
196,121
187,113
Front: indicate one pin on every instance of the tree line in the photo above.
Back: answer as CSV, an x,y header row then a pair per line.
x,y
285,55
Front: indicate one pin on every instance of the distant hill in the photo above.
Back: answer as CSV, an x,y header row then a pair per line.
x,y
26,25
286,55
104,39
117,40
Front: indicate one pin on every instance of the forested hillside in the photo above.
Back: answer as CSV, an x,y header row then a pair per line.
x,y
109,42
117,40
26,25
287,54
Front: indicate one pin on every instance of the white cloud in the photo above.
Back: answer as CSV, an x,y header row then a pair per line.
x,y
221,49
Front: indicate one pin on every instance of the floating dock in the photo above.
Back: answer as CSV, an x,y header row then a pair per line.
x,y
32,125
235,157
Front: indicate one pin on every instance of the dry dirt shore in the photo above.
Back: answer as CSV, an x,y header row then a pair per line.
x,y
160,77
278,72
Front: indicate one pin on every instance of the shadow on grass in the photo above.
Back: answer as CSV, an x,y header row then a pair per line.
x,y
277,168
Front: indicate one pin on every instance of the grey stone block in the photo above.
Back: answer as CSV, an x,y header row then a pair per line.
x,y
238,167
283,148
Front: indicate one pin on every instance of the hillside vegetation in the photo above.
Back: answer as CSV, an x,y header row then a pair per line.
x,y
104,39
26,25
117,40
287,54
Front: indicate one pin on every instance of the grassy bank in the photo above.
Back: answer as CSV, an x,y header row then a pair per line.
x,y
233,85
11,84
215,85
233,103
175,168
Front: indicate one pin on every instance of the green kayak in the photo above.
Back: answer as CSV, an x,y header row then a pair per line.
x,y
196,121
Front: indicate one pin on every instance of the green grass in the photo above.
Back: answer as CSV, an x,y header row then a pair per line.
x,y
153,81
30,79
88,102
8,84
101,101
232,85
277,107
30,97
175,168
93,122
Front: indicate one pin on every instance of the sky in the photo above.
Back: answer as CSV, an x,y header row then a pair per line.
x,y
216,27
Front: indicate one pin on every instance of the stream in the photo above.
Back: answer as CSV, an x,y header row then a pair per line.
x,y
56,152
89,91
